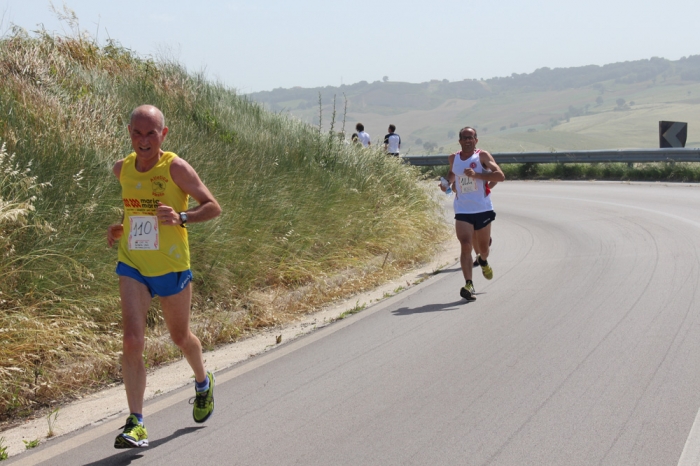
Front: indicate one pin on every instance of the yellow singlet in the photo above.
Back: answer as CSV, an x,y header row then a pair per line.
x,y
151,248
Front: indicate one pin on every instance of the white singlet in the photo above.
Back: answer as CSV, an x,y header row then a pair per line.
x,y
472,195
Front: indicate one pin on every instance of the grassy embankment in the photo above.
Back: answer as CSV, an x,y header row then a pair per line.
x,y
306,219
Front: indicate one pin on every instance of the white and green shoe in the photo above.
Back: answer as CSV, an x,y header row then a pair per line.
x,y
204,402
134,435
467,292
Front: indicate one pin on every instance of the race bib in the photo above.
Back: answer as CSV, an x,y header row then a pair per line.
x,y
467,185
144,233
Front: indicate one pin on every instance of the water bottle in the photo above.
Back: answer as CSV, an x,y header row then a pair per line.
x,y
446,184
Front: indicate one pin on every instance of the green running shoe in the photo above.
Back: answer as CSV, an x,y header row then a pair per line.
x,y
204,402
476,261
134,435
485,268
487,271
467,292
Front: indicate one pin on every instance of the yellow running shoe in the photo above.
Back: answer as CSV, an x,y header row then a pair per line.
x,y
485,268
134,435
204,402
476,261
467,292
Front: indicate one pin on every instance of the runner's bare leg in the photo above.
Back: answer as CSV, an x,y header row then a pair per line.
x,y
176,312
465,234
136,299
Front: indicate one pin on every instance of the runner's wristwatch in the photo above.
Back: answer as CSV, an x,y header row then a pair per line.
x,y
183,219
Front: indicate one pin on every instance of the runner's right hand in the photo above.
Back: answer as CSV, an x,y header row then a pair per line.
x,y
114,232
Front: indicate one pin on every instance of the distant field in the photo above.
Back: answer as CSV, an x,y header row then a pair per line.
x,y
534,121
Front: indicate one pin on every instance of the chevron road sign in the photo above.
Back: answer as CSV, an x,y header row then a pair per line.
x,y
672,134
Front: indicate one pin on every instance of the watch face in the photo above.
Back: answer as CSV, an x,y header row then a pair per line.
x,y
183,217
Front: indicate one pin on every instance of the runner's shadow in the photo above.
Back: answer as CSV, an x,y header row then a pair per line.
x,y
404,311
454,269
132,454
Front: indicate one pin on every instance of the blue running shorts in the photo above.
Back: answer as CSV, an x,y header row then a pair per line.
x,y
163,285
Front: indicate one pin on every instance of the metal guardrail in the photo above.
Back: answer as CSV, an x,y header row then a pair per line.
x,y
576,156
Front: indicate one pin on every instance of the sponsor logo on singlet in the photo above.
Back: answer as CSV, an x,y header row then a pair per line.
x,y
158,184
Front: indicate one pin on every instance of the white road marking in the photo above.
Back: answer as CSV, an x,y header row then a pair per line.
x,y
691,450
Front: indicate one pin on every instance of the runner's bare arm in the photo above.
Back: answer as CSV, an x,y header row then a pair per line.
x,y
115,230
491,184
117,169
187,179
451,176
488,162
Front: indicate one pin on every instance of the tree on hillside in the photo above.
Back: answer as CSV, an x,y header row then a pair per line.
x,y
430,146
573,112
620,102
451,134
385,78
599,100
419,141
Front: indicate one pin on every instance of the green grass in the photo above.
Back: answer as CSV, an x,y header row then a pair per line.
x,y
51,420
352,311
299,207
29,444
661,171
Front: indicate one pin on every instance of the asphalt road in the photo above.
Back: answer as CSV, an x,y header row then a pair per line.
x,y
584,349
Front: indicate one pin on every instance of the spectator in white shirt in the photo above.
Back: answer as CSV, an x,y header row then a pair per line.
x,y
392,142
362,135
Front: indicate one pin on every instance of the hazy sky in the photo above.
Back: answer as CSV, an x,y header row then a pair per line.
x,y
264,44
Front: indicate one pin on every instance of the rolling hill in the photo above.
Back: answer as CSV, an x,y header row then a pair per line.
x,y
591,107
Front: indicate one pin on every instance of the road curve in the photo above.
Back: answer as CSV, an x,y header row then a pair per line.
x,y
584,349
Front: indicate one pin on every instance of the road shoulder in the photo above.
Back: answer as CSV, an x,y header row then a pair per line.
x,y
108,404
